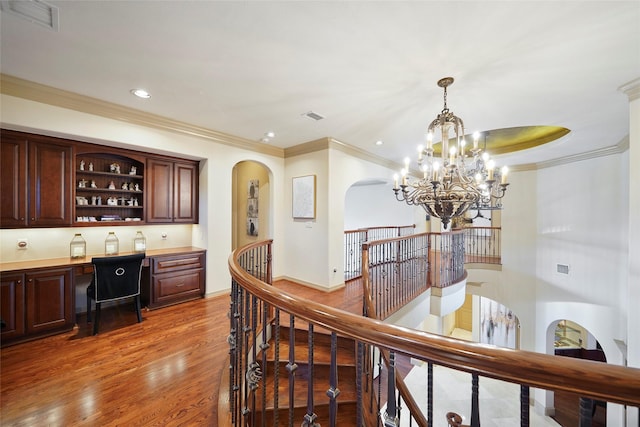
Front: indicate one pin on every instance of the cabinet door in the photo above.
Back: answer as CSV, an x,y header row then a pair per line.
x,y
13,186
185,198
50,182
49,300
159,191
12,305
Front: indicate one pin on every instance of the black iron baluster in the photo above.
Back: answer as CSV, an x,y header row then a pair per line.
x,y
264,346
291,367
232,339
360,377
430,394
310,417
475,407
333,391
276,369
524,406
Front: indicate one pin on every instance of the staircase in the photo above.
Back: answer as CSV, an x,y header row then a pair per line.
x,y
270,416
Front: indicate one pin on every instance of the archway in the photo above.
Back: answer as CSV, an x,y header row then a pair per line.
x,y
251,203
571,339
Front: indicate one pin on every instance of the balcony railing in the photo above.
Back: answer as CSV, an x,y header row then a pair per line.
x,y
258,309
480,245
353,240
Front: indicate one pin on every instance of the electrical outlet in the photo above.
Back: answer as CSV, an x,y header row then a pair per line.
x,y
22,243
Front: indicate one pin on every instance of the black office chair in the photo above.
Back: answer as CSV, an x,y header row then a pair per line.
x,y
114,278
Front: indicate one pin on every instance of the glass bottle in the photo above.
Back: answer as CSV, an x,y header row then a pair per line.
x,y
139,242
111,244
78,246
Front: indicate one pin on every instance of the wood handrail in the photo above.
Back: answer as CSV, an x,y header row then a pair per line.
x,y
589,379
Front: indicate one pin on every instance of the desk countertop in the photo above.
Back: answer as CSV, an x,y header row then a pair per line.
x,y
69,262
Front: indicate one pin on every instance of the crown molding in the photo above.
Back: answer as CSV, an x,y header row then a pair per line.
x,y
328,142
619,148
631,89
32,91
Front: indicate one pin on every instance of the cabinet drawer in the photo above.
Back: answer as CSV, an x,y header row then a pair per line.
x,y
180,284
167,264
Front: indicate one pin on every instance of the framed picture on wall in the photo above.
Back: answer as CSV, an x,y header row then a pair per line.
x,y
304,197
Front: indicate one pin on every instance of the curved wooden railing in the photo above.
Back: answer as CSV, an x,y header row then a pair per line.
x,y
588,379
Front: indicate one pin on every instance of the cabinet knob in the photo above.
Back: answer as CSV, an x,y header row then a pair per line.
x,y
33,219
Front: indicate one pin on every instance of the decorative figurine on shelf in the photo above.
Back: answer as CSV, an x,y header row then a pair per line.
x,y
99,200
112,186
82,183
112,201
130,202
81,165
133,170
135,202
93,184
114,168
136,187
91,167
125,186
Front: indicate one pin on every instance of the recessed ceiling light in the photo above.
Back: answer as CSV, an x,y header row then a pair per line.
x,y
269,134
141,93
378,142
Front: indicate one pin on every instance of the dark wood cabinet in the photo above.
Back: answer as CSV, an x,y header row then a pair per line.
x,y
12,306
36,181
43,185
172,195
174,279
13,186
36,303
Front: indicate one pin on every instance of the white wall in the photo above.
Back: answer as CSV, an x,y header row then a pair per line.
x,y
372,205
215,228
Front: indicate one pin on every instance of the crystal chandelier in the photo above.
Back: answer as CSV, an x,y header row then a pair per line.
x,y
461,179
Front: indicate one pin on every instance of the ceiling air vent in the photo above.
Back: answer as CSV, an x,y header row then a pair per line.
x,y
313,116
564,269
35,11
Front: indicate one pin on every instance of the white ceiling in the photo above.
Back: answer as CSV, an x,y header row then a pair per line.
x,y
370,68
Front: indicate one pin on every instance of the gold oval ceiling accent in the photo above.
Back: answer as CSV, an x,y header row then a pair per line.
x,y
509,140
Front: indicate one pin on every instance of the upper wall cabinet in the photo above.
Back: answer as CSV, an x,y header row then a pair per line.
x,y
53,182
172,194
36,182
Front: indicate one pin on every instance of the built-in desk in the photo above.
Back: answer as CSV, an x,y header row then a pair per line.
x,y
38,297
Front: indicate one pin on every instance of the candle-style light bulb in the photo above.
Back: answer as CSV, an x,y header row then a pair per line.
x,y
424,171
452,155
429,140
395,181
505,171
436,167
404,176
420,150
491,165
476,137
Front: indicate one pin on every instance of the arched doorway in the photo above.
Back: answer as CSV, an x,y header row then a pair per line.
x,y
570,339
251,203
